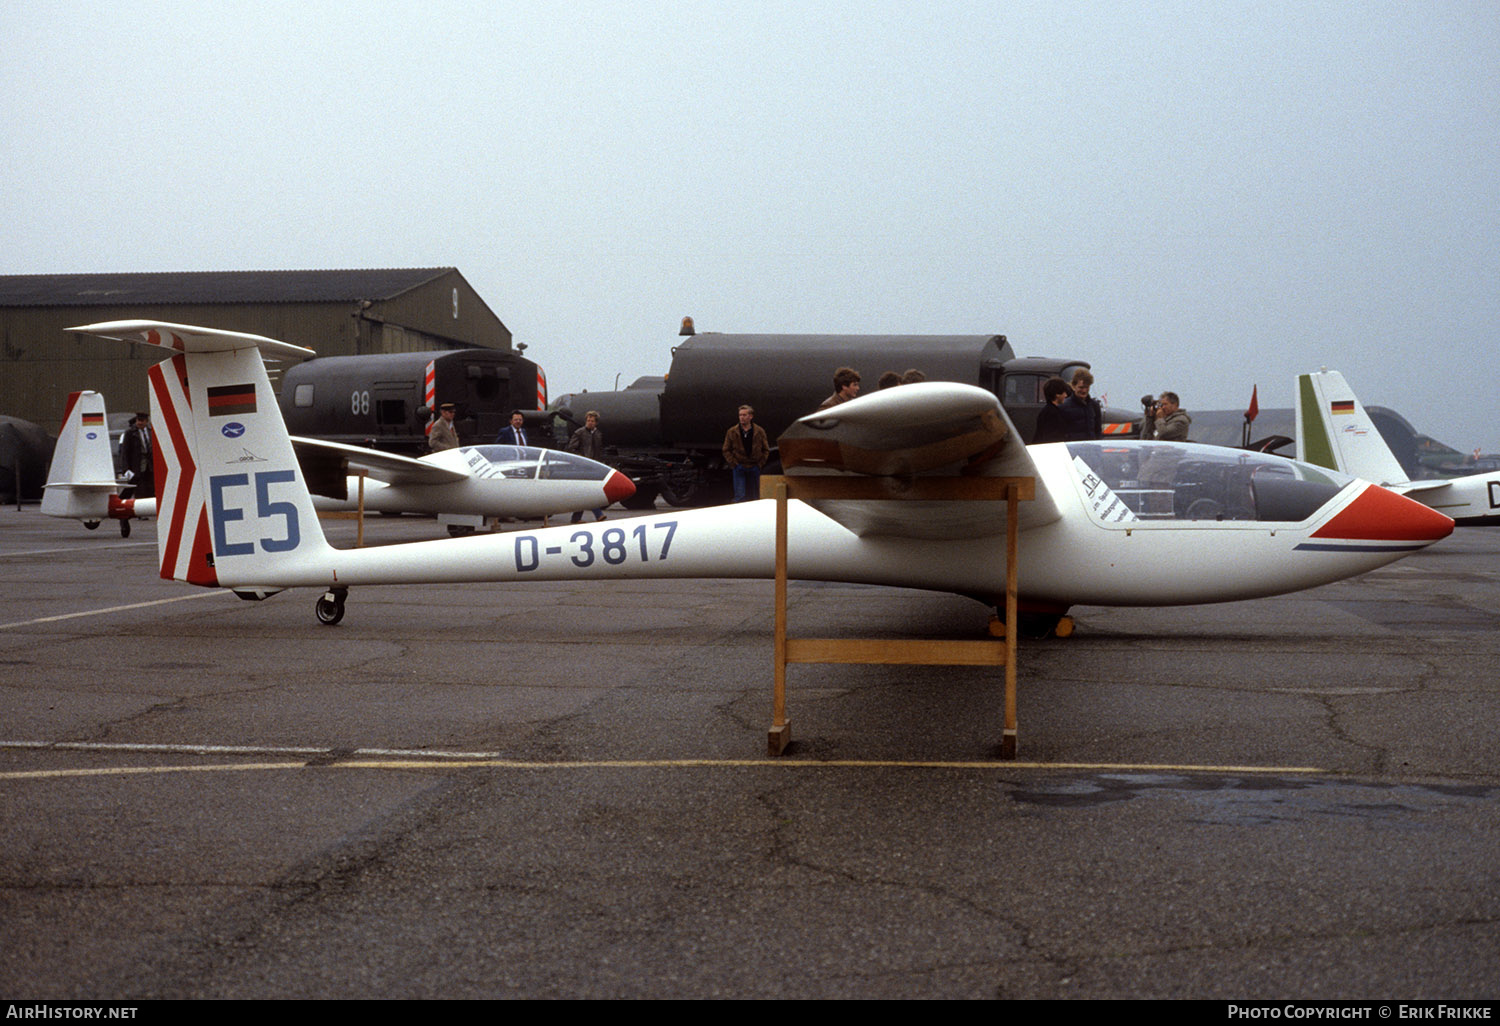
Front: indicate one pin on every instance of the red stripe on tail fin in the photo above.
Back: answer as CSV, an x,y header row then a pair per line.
x,y
184,556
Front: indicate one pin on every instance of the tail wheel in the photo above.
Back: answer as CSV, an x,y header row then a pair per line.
x,y
91,524
330,606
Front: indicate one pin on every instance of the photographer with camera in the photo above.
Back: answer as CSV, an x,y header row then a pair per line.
x,y
1164,420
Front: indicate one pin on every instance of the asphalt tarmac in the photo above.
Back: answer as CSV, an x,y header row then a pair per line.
x,y
560,790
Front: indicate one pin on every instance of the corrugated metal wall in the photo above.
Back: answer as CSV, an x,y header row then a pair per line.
x,y
40,363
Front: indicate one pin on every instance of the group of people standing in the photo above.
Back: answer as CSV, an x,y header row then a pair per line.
x,y
442,433
1073,415
846,384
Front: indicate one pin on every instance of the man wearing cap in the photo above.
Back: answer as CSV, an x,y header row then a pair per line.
x,y
443,434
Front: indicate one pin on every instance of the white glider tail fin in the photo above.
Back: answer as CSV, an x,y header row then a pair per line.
x,y
1334,431
82,476
232,502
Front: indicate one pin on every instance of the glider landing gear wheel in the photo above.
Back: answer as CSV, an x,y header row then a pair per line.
x,y
124,528
330,606
91,524
459,530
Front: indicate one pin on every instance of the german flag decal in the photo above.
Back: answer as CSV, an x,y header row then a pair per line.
x,y
231,400
93,420
1341,406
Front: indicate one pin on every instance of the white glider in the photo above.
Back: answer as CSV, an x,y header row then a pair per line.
x,y
474,480
479,480
1113,523
1333,430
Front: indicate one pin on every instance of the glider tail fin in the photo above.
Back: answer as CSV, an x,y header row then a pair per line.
x,y
232,505
1334,431
81,479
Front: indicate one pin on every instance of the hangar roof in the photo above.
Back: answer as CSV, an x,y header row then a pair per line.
x,y
196,287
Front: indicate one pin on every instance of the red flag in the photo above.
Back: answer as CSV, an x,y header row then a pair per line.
x,y
1254,409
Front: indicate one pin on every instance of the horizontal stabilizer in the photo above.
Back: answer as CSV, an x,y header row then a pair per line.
x,y
187,338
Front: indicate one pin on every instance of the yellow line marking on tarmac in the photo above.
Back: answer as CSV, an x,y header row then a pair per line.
x,y
423,764
323,757
977,764
122,771
110,609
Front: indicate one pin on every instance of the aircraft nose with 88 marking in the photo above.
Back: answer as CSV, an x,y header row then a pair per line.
x,y
1112,523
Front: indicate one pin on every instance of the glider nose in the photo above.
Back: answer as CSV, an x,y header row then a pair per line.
x,y
1380,514
1423,522
618,487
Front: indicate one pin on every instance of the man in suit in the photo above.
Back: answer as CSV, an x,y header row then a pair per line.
x,y
515,434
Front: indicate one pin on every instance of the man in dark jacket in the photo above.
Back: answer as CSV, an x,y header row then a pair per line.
x,y
1084,413
588,441
1052,424
845,387
136,453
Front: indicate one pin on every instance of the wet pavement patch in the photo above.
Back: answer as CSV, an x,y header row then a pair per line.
x,y
1241,799
1401,615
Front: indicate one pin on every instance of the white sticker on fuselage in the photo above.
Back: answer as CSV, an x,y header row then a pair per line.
x,y
1100,499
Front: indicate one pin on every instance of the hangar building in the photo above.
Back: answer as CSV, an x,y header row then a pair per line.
x,y
336,313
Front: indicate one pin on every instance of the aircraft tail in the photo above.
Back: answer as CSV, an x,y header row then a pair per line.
x,y
1334,431
231,501
81,480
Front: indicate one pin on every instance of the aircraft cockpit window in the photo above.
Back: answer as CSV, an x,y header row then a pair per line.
x,y
567,466
512,461
1162,481
530,463
302,395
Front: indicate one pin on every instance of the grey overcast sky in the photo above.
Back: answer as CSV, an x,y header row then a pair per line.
x,y
1195,196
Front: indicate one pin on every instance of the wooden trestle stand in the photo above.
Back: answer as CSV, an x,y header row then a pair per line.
x,y
358,513
1011,490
